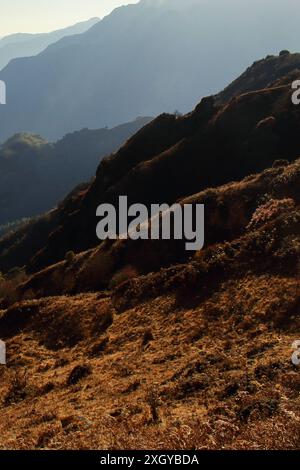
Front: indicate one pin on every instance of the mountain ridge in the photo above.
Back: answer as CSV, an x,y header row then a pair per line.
x,y
260,126
29,166
133,83
19,45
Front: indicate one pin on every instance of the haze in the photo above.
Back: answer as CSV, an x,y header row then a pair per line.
x,y
38,16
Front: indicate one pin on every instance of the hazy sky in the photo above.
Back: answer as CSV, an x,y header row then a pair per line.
x,y
33,16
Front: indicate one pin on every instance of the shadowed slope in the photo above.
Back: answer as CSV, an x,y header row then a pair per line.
x,y
173,158
35,175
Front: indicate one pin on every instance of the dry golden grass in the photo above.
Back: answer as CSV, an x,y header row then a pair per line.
x,y
215,374
194,356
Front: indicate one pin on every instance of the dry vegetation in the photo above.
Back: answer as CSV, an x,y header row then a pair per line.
x,y
141,345
211,375
194,356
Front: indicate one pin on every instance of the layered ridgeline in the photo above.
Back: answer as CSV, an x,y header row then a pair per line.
x,y
35,174
170,158
27,45
141,60
139,344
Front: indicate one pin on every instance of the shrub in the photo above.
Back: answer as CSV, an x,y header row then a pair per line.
x,y
125,274
270,210
280,163
284,52
9,283
147,337
152,400
78,373
97,270
17,390
69,257
177,114
104,318
99,348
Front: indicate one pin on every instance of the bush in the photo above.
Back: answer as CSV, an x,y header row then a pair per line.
x,y
97,270
69,257
78,373
280,163
153,402
284,52
125,274
177,114
18,388
9,283
147,337
270,210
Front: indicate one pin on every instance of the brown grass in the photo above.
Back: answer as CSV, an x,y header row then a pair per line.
x,y
214,375
194,356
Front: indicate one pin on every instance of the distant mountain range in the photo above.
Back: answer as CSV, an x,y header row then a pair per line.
x,y
26,45
35,175
142,59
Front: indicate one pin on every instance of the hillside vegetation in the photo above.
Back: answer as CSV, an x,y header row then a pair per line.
x,y
139,344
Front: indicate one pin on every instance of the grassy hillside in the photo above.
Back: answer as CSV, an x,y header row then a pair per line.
x,y
195,356
138,344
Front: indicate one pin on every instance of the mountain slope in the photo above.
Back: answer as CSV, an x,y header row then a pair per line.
x,y
207,148
35,175
139,344
194,356
141,60
27,45
212,145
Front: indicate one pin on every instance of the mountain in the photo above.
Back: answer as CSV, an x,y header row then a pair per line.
x,y
139,344
35,175
194,356
141,60
211,146
27,45
185,345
